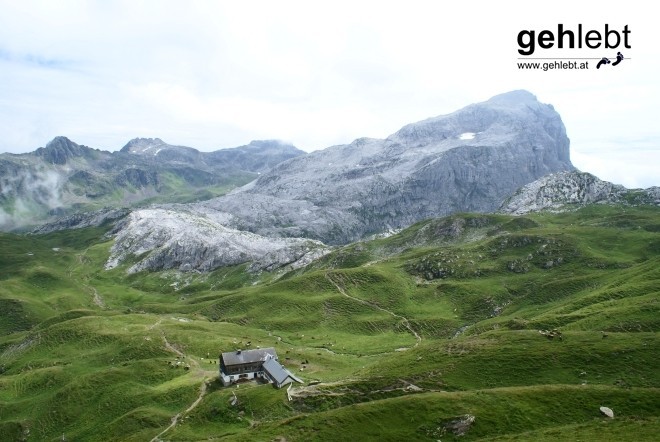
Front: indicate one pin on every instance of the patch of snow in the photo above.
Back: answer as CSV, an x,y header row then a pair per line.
x,y
156,153
466,136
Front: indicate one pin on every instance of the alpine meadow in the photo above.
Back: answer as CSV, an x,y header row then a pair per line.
x,y
458,280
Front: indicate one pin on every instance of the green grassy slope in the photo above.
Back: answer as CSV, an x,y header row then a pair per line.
x,y
528,324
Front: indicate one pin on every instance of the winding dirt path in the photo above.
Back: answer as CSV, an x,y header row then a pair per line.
x,y
172,348
403,319
96,298
175,419
193,364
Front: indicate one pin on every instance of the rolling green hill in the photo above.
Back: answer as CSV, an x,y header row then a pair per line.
x,y
499,327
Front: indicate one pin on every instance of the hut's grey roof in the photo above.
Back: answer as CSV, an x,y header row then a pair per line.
x,y
277,372
248,356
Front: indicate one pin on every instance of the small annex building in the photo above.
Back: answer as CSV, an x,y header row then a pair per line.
x,y
262,363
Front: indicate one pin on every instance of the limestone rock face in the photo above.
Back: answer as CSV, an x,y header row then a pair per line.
x,y
564,190
168,239
469,160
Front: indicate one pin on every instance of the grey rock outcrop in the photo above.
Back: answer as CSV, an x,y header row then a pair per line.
x,y
137,178
565,190
83,220
607,412
459,425
469,160
167,239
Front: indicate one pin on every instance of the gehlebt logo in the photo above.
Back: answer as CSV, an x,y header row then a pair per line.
x,y
551,45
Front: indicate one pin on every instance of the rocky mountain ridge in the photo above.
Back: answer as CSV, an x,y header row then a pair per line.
x,y
469,160
168,239
569,190
64,177
510,148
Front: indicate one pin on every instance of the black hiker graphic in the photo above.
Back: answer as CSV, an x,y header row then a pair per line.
x,y
619,57
605,60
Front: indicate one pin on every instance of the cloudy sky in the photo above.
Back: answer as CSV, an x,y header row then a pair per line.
x,y
219,74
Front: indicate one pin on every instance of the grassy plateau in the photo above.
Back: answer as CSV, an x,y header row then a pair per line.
x,y
469,327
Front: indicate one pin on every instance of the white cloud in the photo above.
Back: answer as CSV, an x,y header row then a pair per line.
x,y
219,74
